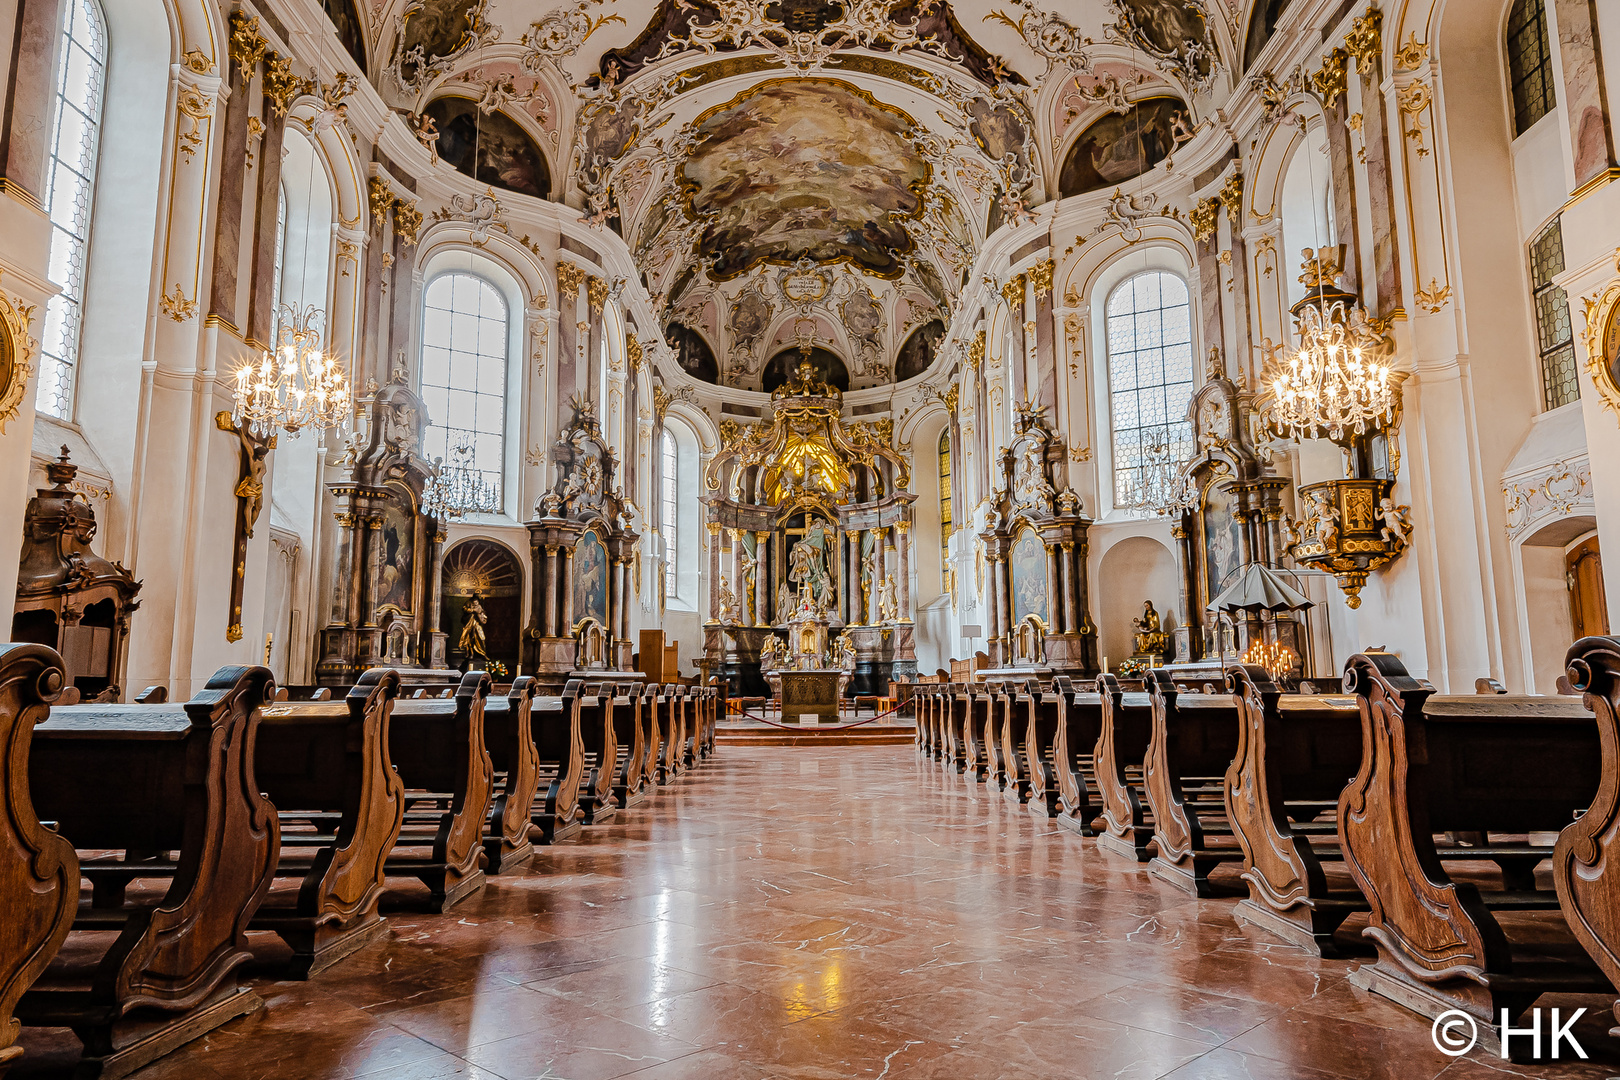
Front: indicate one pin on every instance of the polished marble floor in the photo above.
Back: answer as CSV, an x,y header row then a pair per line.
x,y
832,913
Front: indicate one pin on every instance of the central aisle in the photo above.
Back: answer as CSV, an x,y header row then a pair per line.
x,y
825,913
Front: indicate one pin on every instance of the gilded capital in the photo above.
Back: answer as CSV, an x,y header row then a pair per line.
x,y
1040,276
1013,291
569,279
597,290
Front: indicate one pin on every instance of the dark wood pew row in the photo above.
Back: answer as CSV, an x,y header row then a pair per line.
x,y
654,699
1010,700
630,732
1043,714
668,765
1193,743
1507,765
1079,728
1295,754
696,705
1121,747
1586,859
596,796
171,789
933,701
325,766
717,707
560,752
509,738
437,746
39,870
968,758
990,736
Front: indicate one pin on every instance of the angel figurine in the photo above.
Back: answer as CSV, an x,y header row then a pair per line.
x,y
1397,522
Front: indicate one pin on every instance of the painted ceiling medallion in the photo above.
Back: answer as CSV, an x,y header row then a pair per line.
x,y
803,168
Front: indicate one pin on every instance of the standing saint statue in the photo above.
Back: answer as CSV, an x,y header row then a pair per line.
x,y
473,642
888,606
808,563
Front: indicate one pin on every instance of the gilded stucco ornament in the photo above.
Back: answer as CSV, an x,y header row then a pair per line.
x,y
407,220
1333,80
1202,219
1602,334
247,46
16,356
569,278
281,86
1365,40
381,198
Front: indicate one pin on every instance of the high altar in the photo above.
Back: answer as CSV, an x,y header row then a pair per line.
x,y
807,509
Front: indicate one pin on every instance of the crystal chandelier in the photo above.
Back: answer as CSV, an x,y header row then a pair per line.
x,y
296,385
1160,487
459,489
1338,380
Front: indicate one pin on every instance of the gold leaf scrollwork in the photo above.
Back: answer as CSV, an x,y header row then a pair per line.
x,y
1202,218
1413,99
1434,297
177,307
596,290
247,46
407,221
381,197
569,279
199,62
975,352
1365,40
1040,276
632,351
195,106
16,357
281,86
1332,81
1410,57
1231,197
1013,291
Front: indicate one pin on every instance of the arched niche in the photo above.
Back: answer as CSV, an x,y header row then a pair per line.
x,y
1134,569
692,352
827,365
917,354
507,156
491,573
1120,147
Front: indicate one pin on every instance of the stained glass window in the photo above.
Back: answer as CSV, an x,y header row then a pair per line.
x,y
1559,384
69,192
944,498
668,504
1529,64
464,360
1150,373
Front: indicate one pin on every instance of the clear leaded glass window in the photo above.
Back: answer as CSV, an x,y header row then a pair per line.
x,y
1554,341
1150,373
464,360
1529,64
944,498
69,192
668,506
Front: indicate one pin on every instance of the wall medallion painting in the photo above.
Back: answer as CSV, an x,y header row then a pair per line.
x,y
1175,32
797,168
917,354
436,31
590,578
397,572
1028,564
1222,538
1118,148
692,352
507,157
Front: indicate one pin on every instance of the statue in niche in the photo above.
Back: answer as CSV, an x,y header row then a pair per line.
x,y
807,563
726,604
473,641
746,567
888,606
868,576
1150,637
772,654
843,654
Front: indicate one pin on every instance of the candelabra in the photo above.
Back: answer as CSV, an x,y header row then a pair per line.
x,y
459,489
1160,486
294,386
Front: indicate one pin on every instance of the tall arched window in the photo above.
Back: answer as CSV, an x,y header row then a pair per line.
x,y
464,360
669,498
944,500
1150,373
1554,341
69,194
1530,72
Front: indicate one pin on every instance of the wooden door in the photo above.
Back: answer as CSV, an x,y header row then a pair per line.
x,y
1588,607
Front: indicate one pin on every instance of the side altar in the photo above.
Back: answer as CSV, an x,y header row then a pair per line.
x,y
808,511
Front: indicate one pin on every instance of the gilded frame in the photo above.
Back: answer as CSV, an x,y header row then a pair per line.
x,y
1602,335
17,349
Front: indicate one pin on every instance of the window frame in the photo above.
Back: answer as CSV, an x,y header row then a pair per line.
x,y
946,524
67,306
669,510
1520,81
1549,314
1177,430
494,471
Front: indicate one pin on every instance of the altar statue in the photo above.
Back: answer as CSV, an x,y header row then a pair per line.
x,y
809,561
473,642
888,605
843,654
772,653
1150,638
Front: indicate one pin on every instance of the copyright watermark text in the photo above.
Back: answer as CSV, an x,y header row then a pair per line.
x,y
1456,1032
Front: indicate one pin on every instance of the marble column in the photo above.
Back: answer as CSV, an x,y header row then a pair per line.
x,y
565,585
902,559
855,614
548,623
880,571
1375,155
25,129
232,212
371,552
714,571
737,582
1591,133
1054,590
1017,377
1066,583
1212,333
435,596
345,598
762,580
1341,163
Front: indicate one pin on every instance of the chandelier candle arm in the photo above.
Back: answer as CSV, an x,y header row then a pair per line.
x,y
294,386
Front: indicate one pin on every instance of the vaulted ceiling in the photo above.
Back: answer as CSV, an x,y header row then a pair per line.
x,y
801,173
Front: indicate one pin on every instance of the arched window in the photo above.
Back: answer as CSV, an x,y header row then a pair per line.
x,y
669,498
1530,72
1150,373
69,194
464,360
944,499
1554,341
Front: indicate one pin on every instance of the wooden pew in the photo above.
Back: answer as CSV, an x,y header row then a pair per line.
x,y
1040,749
931,703
560,749
653,703
717,708
1295,754
1586,859
144,781
1079,728
1504,764
325,765
630,732
953,712
601,753
1010,700
509,738
994,748
437,745
1127,724
39,870
670,733
975,718
1194,739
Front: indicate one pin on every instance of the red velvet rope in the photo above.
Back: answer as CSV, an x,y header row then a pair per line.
x,y
818,729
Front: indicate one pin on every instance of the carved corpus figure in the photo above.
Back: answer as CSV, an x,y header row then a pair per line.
x,y
888,607
472,643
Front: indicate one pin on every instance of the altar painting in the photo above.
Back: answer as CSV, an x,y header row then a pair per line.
x,y
1222,539
397,572
1028,563
590,578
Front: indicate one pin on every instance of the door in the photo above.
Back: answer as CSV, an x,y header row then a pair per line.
x,y
1588,607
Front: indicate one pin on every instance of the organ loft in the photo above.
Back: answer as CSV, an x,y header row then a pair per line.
x,y
729,538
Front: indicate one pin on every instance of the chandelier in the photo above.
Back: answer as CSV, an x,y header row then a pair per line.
x,y
294,386
459,489
1160,486
1338,380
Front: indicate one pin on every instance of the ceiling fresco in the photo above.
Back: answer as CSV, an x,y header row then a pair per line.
x,y
803,168
802,174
